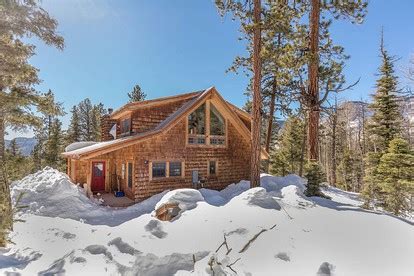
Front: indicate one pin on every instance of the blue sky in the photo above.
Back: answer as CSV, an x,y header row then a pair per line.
x,y
174,46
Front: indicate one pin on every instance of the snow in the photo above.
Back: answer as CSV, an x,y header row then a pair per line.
x,y
79,145
65,233
185,198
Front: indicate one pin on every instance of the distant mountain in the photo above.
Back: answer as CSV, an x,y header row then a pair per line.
x,y
26,145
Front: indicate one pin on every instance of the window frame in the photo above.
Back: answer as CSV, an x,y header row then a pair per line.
x,y
215,165
130,162
207,137
181,168
167,170
127,132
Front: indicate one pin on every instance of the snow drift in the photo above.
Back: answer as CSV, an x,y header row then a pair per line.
x,y
268,230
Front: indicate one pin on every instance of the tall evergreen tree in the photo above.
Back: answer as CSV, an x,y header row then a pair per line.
x,y
19,20
97,112
286,158
17,165
385,123
324,60
13,148
85,119
89,118
54,146
396,176
137,95
43,153
74,130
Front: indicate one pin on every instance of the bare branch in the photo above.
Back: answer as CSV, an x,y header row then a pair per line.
x,y
246,246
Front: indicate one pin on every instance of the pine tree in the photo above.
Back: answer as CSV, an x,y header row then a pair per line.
x,y
286,158
85,119
396,176
17,165
137,95
97,112
19,20
13,148
74,131
385,123
43,153
90,120
54,146
315,176
384,126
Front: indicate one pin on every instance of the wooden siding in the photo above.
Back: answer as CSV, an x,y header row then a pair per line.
x,y
233,162
142,120
233,158
146,119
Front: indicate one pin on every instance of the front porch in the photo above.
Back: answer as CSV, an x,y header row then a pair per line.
x,y
109,199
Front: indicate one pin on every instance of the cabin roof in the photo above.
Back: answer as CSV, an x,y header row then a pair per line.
x,y
193,98
133,106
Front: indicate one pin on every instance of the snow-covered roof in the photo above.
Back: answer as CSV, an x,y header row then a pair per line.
x,y
79,145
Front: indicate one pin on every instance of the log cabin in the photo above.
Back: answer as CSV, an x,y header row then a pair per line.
x,y
189,140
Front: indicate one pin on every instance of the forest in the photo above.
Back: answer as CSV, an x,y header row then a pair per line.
x,y
296,73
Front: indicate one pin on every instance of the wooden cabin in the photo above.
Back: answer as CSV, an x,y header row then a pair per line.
x,y
190,140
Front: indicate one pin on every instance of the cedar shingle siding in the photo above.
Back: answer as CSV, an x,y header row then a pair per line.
x,y
232,159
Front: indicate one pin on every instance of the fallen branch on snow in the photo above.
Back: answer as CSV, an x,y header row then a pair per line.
x,y
246,246
226,244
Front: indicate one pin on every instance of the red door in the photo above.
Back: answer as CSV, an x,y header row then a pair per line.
x,y
98,176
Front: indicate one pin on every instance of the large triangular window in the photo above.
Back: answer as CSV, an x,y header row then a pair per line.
x,y
217,127
206,126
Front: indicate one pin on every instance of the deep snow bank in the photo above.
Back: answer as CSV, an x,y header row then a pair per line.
x,y
51,193
271,230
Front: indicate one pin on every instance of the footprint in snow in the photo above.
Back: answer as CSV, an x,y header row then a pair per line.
x,y
97,249
325,269
123,247
283,256
155,228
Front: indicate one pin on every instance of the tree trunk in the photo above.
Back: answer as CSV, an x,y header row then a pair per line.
x,y
256,116
303,148
271,115
5,200
333,147
313,86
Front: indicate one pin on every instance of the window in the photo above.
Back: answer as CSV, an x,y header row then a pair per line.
x,y
212,167
175,169
197,125
217,124
130,175
126,126
98,169
215,132
123,171
159,169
